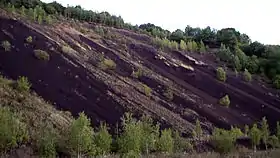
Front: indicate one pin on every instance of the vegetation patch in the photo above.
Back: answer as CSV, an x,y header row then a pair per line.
x,y
6,45
137,74
225,101
41,55
221,74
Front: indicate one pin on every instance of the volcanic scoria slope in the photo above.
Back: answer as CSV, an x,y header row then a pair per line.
x,y
75,80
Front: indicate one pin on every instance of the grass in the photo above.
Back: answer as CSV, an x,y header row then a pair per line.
x,y
41,55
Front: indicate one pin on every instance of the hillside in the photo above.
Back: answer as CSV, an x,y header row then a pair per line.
x,y
106,71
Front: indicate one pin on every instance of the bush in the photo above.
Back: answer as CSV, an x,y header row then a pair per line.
x,y
23,84
6,45
46,142
225,101
29,39
247,76
165,142
41,55
147,90
276,81
107,64
221,74
223,140
103,140
168,94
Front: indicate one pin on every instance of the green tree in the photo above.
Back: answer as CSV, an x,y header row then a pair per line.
x,y
278,130
103,140
198,131
150,134
225,101
202,48
80,139
247,76
22,11
183,45
181,144
13,131
241,56
265,132
221,74
23,84
30,13
273,141
48,19
224,54
165,142
237,65
174,45
255,135
40,19
46,141
130,139
194,46
276,81
246,130
223,140
190,46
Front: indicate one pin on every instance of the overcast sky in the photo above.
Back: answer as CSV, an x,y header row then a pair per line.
x,y
260,19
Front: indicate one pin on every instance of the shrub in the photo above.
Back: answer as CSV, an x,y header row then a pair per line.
x,y
107,64
255,135
221,74
247,76
273,141
276,81
6,45
168,94
23,84
41,55
29,39
225,101
147,90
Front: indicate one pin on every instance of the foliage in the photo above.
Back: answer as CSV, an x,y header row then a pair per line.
x,y
147,90
265,131
168,94
224,54
6,45
278,130
255,135
246,130
241,56
48,19
41,55
23,84
13,131
29,39
80,139
103,140
225,101
247,76
165,142
221,74
22,11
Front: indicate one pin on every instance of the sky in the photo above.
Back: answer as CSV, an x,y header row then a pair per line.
x,y
259,19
